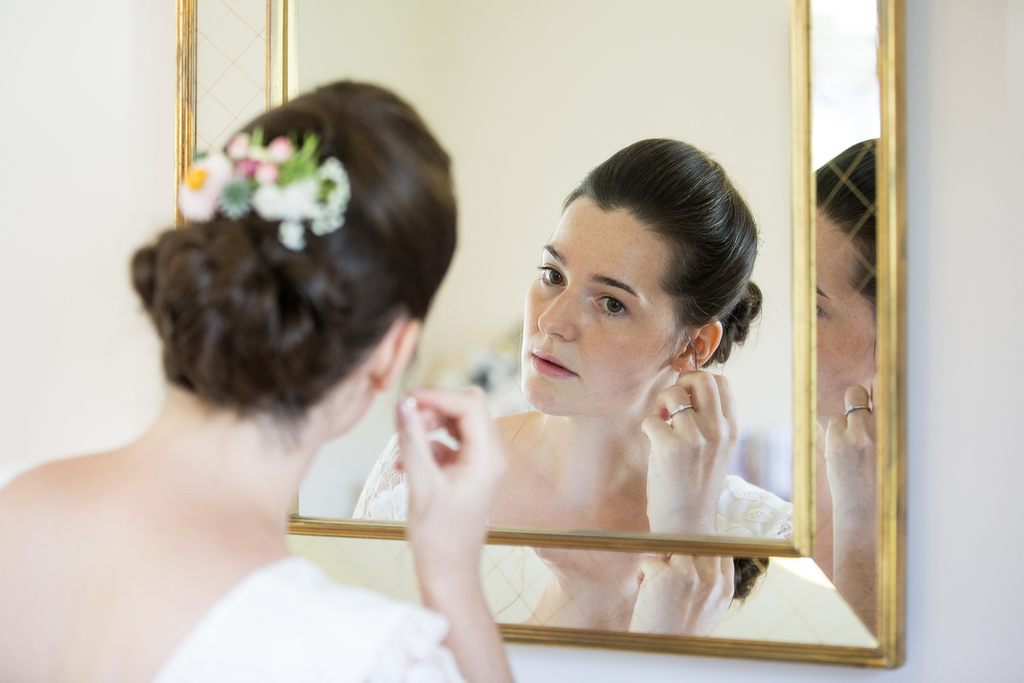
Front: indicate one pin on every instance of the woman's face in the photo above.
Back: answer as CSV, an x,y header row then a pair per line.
x,y
600,333
846,322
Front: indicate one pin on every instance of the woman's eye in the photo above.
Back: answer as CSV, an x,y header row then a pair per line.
x,y
551,276
613,305
820,312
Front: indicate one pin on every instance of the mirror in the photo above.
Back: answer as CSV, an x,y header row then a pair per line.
x,y
526,108
527,98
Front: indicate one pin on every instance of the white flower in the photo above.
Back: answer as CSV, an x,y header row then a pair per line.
x,y
333,216
292,235
295,201
199,192
327,222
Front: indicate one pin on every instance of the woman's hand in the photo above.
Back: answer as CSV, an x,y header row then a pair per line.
x,y
690,454
450,490
851,464
682,594
850,461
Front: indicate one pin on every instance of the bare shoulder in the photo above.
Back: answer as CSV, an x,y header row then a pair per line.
x,y
54,483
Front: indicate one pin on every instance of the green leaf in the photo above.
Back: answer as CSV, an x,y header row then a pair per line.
x,y
302,164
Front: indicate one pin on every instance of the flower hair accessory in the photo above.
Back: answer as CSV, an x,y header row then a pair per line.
x,y
277,181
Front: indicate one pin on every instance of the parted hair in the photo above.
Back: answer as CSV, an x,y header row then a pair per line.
x,y
250,325
685,196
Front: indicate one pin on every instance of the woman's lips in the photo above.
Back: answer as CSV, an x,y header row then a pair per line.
x,y
546,365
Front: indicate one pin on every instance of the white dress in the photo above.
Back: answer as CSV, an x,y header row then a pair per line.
x,y
288,622
743,509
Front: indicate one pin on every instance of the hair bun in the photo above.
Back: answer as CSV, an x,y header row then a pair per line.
x,y
143,270
736,325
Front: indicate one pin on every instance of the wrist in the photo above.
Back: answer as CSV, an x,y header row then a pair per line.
x,y
450,590
682,522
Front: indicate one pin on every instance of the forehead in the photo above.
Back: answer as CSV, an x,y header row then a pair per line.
x,y
611,243
836,257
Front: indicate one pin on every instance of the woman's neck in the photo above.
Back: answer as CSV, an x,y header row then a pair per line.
x,y
247,468
590,455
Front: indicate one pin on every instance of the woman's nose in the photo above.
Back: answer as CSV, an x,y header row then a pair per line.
x,y
558,319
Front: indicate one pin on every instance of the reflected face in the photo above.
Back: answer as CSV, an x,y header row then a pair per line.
x,y
846,322
600,332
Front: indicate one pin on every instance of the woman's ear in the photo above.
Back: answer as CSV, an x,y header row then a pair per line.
x,y
392,354
704,342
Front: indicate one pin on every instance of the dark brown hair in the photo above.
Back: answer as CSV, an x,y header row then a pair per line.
x,y
686,197
250,325
846,197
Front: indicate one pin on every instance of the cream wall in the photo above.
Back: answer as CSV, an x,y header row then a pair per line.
x,y
85,170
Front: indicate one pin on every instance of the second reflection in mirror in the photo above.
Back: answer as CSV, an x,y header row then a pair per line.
x,y
644,283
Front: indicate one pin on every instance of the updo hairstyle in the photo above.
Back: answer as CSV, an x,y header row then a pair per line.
x,y
846,197
686,197
252,326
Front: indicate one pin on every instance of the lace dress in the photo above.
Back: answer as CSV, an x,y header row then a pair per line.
x,y
743,509
288,622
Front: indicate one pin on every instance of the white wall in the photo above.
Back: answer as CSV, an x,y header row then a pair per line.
x,y
85,172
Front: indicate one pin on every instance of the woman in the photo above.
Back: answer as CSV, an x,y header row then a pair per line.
x,y
294,296
646,280
846,515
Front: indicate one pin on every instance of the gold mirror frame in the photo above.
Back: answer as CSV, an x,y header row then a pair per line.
x,y
890,396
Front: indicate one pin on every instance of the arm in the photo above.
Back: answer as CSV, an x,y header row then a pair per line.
x,y
690,456
451,493
850,460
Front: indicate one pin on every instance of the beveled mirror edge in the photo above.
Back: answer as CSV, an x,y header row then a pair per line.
x,y
554,538
693,645
804,284
892,354
185,95
892,335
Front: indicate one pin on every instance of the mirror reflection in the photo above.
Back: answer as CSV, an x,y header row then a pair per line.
x,y
527,108
847,124
518,107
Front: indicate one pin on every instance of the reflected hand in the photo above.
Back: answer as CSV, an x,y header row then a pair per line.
x,y
682,594
450,490
690,454
850,462
850,456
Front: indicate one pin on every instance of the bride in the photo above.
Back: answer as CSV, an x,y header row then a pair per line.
x,y
166,560
645,281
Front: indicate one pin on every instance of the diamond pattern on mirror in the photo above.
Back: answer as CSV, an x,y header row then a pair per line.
x,y
793,602
231,69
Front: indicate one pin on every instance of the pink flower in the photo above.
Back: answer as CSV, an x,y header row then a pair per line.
x,y
199,194
280,148
238,147
246,167
267,174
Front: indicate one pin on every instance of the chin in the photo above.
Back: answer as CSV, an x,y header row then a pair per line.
x,y
545,398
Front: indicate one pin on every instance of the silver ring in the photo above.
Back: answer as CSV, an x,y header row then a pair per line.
x,y
678,410
853,408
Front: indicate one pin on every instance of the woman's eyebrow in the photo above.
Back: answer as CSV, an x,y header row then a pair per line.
x,y
602,279
612,282
554,253
821,293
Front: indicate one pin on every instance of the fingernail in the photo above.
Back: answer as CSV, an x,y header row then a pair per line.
x,y
411,401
